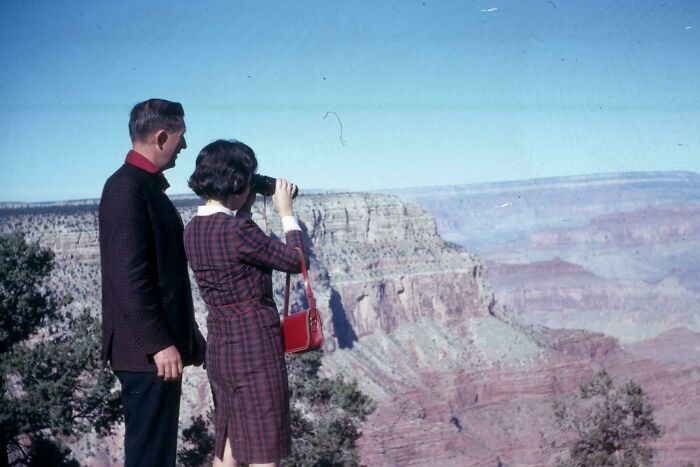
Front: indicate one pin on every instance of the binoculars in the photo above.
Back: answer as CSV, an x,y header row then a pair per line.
x,y
264,185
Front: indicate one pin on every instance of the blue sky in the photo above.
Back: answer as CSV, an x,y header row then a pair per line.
x,y
428,92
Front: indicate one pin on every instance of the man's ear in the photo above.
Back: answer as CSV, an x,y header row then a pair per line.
x,y
161,138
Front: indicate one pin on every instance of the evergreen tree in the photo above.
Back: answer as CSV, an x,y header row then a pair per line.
x,y
608,426
199,442
52,384
327,416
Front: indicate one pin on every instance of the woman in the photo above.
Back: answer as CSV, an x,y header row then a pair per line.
x,y
232,260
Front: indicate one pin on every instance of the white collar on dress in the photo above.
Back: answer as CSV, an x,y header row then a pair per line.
x,y
209,209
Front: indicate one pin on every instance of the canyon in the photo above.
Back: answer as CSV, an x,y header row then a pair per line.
x,y
465,348
612,253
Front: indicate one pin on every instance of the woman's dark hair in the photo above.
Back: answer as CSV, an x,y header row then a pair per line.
x,y
155,114
223,168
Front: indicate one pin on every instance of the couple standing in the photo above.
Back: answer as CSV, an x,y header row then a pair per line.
x,y
149,333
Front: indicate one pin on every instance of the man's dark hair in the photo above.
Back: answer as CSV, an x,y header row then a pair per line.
x,y
223,168
152,115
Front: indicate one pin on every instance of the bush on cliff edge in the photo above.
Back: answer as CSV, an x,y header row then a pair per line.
x,y
52,385
607,425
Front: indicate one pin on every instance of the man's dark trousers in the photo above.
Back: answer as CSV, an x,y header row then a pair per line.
x,y
151,412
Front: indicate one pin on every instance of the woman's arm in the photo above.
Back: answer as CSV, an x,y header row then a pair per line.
x,y
256,248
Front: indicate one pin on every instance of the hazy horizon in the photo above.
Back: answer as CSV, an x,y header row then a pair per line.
x,y
317,191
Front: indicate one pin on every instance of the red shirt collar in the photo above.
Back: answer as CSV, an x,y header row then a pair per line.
x,y
138,160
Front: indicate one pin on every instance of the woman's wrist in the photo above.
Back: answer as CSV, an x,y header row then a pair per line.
x,y
289,223
286,212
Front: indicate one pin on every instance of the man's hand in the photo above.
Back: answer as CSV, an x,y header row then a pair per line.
x,y
169,363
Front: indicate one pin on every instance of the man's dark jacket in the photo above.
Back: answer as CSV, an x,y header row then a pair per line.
x,y
146,295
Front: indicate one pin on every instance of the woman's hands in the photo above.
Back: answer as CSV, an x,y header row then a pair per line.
x,y
283,197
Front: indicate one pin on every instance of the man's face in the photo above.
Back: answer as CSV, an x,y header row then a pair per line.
x,y
172,146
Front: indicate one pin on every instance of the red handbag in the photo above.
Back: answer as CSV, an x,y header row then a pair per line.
x,y
302,331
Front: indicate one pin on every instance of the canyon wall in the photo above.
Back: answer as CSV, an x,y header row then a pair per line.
x,y
615,253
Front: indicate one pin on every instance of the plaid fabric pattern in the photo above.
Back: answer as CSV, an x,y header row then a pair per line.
x,y
232,260
146,296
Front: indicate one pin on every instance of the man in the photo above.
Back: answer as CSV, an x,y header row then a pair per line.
x,y
148,328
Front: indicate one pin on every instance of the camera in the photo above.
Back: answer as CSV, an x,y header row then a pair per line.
x,y
264,185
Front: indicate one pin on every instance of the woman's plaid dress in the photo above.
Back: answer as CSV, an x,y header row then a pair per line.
x,y
232,260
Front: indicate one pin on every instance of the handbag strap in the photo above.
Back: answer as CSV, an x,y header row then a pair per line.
x,y
307,283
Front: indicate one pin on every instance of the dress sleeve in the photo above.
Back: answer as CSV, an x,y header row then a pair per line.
x,y
256,248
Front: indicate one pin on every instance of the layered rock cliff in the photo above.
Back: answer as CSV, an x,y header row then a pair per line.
x,y
387,266
616,253
378,265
